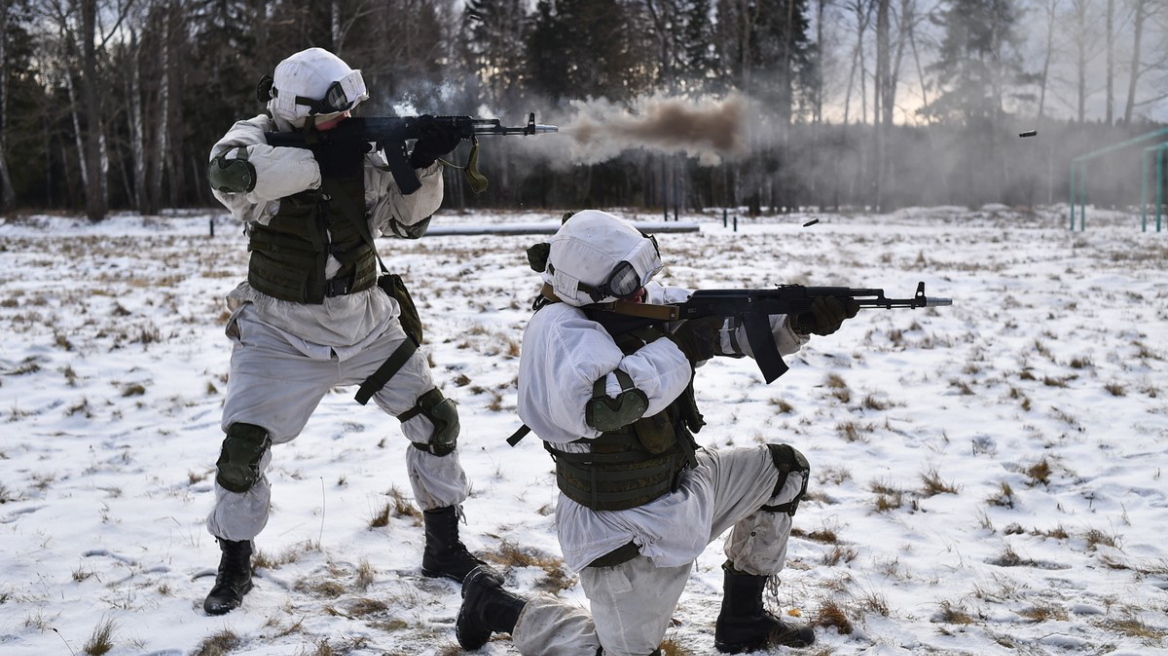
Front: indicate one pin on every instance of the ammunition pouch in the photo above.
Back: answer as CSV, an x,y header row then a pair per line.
x,y
443,413
628,468
411,322
290,254
787,460
239,460
642,458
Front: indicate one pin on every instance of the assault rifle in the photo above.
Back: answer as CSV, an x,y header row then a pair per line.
x,y
753,307
390,133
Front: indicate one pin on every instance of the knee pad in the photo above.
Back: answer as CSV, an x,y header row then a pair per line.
x,y
239,461
787,460
443,413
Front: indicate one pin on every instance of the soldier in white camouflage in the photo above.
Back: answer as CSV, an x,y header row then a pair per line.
x,y
318,309
613,402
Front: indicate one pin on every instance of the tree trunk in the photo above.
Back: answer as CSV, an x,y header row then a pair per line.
x,y
95,207
1138,24
817,107
1081,62
1110,117
1052,12
7,194
137,130
162,133
881,101
78,133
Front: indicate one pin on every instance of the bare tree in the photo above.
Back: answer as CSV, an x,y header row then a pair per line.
x,y
862,10
7,194
95,197
1052,13
1146,12
1110,27
1085,43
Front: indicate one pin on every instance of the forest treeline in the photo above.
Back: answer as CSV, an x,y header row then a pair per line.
x,y
114,104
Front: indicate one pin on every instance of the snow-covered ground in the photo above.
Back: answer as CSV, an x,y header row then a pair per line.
x,y
988,477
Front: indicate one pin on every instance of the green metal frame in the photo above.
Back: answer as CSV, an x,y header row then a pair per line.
x,y
1081,163
1160,153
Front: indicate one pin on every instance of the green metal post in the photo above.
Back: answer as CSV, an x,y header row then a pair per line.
x,y
1081,177
1159,186
1083,197
1144,189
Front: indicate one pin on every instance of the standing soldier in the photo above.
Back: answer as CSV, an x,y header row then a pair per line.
x,y
317,311
639,500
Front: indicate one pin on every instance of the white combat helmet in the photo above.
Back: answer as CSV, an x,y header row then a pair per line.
x,y
317,83
596,257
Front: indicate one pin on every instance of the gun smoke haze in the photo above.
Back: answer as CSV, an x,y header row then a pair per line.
x,y
708,129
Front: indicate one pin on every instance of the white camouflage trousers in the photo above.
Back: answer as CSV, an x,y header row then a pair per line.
x,y
277,386
632,603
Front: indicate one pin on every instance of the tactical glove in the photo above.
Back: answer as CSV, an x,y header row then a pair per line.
x,y
434,141
340,157
698,339
826,316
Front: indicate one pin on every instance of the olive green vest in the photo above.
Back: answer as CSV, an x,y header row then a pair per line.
x,y
288,255
640,462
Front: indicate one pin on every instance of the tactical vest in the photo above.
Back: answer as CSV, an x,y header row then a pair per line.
x,y
288,256
632,466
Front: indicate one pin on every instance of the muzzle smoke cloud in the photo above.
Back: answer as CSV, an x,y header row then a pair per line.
x,y
709,129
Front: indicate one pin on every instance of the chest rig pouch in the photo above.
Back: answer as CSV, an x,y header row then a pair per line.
x,y
638,463
289,255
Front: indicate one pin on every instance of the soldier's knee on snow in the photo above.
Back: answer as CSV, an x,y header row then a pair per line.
x,y
788,460
239,460
443,413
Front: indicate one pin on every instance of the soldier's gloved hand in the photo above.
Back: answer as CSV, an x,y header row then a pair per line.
x,y
434,141
340,158
698,339
826,316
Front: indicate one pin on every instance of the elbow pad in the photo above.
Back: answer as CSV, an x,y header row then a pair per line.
x,y
414,231
232,176
605,413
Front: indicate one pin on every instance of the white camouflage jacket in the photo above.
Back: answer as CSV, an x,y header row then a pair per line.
x,y
341,324
563,354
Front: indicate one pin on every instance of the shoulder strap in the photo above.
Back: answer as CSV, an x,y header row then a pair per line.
x,y
519,435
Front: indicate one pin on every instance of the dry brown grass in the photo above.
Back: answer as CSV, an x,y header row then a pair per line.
x,y
218,644
831,614
951,614
933,485
556,575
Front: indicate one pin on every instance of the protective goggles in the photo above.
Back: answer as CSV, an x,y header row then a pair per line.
x,y
631,273
341,96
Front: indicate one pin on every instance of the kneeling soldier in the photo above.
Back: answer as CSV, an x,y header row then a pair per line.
x,y
639,499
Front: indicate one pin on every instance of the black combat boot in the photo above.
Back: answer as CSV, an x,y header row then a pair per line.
x,y
744,625
486,608
444,554
234,577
